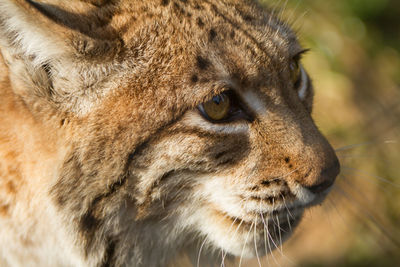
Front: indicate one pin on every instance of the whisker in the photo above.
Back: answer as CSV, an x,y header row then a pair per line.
x,y
230,227
356,156
223,258
201,248
337,211
265,236
288,220
359,207
352,157
289,173
245,243
279,231
284,203
266,228
371,175
273,242
255,241
351,185
280,240
237,229
344,178
344,148
226,252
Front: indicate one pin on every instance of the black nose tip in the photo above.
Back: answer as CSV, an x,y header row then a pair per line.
x,y
327,178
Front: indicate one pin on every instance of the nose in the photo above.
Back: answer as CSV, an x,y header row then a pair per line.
x,y
326,178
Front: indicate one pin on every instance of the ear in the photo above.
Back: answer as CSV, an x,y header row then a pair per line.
x,y
44,43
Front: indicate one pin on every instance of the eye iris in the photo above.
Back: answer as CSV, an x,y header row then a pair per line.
x,y
218,107
294,72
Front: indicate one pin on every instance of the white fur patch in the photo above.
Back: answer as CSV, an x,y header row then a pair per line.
x,y
254,102
30,38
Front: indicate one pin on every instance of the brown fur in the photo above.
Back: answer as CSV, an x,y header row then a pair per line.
x,y
100,132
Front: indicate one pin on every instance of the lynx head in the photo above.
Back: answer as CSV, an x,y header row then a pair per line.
x,y
180,121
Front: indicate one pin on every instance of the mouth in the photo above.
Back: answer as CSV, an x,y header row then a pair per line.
x,y
258,233
283,221
254,224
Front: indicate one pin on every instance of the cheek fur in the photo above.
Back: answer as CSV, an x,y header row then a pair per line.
x,y
164,164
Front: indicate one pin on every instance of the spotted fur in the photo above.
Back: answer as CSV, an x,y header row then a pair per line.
x,y
105,159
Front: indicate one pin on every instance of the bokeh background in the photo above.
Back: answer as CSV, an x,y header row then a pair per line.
x,y
355,65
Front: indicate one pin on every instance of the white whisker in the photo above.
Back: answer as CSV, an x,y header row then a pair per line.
x,y
344,148
255,240
265,236
224,254
245,243
280,232
371,176
284,203
201,247
359,207
269,244
288,220
222,258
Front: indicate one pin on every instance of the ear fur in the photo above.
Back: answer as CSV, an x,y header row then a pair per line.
x,y
26,32
41,41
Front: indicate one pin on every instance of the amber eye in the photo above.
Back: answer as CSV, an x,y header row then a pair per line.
x,y
218,107
295,71
224,108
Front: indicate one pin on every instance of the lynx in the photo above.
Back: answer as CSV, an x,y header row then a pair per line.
x,y
131,131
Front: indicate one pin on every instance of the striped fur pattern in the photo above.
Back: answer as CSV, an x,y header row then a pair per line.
x,y
105,159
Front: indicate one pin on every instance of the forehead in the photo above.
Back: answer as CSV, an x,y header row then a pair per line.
x,y
240,25
203,43
244,25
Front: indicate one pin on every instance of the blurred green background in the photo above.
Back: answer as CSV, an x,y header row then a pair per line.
x,y
355,65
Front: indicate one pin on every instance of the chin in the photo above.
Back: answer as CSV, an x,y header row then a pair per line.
x,y
252,236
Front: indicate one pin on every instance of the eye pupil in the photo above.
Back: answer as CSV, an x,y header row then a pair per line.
x,y
218,107
217,99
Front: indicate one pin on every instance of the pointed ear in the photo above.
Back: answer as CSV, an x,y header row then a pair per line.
x,y
25,31
40,40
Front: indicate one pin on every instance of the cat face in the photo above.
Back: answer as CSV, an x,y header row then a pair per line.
x,y
179,120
